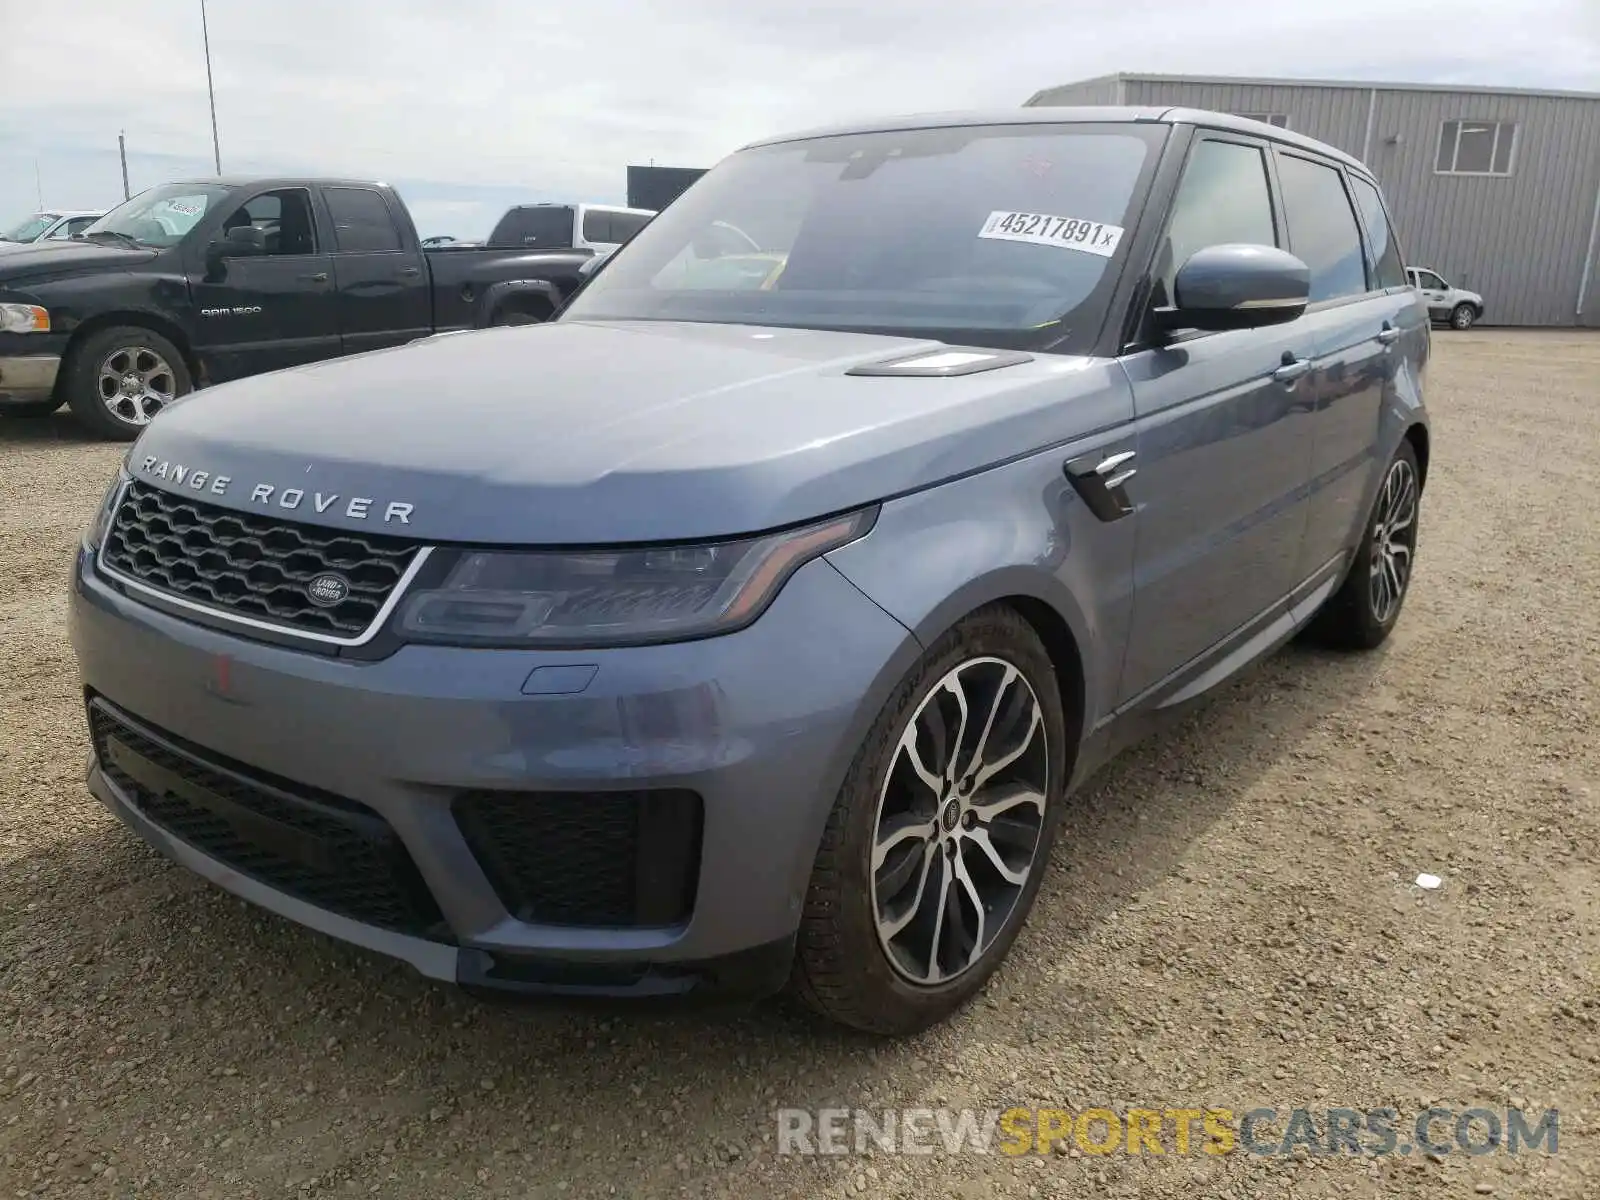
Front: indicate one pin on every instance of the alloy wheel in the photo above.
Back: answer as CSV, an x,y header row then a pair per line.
x,y
1394,540
959,820
135,384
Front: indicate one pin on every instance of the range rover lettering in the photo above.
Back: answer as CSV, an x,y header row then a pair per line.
x,y
862,505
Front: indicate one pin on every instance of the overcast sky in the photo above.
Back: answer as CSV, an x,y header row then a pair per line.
x,y
472,105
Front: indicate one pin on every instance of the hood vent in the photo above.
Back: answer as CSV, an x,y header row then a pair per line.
x,y
927,364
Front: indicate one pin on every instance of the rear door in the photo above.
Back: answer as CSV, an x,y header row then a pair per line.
x,y
1362,317
1224,439
265,311
383,288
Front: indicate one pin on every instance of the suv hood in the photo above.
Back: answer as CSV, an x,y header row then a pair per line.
x,y
595,432
34,260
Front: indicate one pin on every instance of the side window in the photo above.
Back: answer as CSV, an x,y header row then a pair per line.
x,y
1322,227
597,226
1224,197
1428,281
78,224
361,220
625,225
283,216
1388,271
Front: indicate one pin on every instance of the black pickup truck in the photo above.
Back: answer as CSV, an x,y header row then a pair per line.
x,y
190,284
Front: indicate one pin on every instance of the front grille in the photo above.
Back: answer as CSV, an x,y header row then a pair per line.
x,y
318,847
616,859
252,564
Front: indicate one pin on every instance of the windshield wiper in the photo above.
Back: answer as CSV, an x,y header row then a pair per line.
x,y
116,233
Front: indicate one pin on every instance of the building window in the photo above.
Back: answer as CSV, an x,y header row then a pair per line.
x,y
1281,120
1476,147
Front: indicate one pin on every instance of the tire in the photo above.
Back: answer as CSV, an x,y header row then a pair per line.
x,y
1363,612
1462,316
143,370
844,970
29,408
508,316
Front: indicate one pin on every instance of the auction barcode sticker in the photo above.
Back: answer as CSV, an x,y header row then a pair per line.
x,y
1068,233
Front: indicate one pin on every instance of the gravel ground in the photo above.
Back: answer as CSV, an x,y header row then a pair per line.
x,y
1230,920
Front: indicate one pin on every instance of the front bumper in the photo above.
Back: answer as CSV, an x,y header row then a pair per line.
x,y
28,377
761,725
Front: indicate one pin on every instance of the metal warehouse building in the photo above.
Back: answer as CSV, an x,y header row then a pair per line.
x,y
1497,190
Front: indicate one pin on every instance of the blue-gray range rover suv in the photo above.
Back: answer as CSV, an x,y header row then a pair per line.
x,y
750,622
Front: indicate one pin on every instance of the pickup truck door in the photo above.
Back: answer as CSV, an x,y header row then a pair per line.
x,y
270,309
381,276
1224,441
1435,291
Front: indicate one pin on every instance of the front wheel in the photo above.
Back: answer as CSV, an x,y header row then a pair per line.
x,y
937,842
1363,612
1463,316
118,379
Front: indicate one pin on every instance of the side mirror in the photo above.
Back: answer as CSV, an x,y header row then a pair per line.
x,y
243,241
593,266
1237,286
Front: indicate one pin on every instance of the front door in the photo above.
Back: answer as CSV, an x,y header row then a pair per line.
x,y
385,297
271,309
1436,292
1223,439
1367,327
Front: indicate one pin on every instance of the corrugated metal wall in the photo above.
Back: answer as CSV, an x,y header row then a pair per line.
x,y
1089,91
1520,240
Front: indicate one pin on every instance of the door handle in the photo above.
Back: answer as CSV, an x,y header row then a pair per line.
x,y
1292,368
1388,334
408,272
319,277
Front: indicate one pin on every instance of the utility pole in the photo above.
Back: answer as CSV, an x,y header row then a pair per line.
x,y
205,34
38,184
122,153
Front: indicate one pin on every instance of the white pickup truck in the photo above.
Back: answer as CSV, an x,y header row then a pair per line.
x,y
1460,308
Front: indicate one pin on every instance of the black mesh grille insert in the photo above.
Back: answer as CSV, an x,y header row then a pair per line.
x,y
324,849
251,563
617,859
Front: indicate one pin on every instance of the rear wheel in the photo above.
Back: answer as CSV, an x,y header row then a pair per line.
x,y
938,840
1463,316
1363,612
118,379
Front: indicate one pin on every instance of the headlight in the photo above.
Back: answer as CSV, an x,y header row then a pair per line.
x,y
24,318
96,532
616,597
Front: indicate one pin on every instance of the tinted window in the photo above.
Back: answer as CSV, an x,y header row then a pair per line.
x,y
597,226
625,225
361,220
1388,271
283,216
1224,197
997,235
1322,227
545,227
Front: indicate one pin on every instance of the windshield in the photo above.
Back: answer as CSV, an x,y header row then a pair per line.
x,y
30,229
160,216
1001,236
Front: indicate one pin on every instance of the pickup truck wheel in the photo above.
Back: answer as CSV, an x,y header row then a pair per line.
x,y
936,844
1363,612
118,379
1463,316
528,312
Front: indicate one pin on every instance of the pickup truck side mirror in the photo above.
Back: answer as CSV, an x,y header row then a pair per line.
x,y
1237,286
242,241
